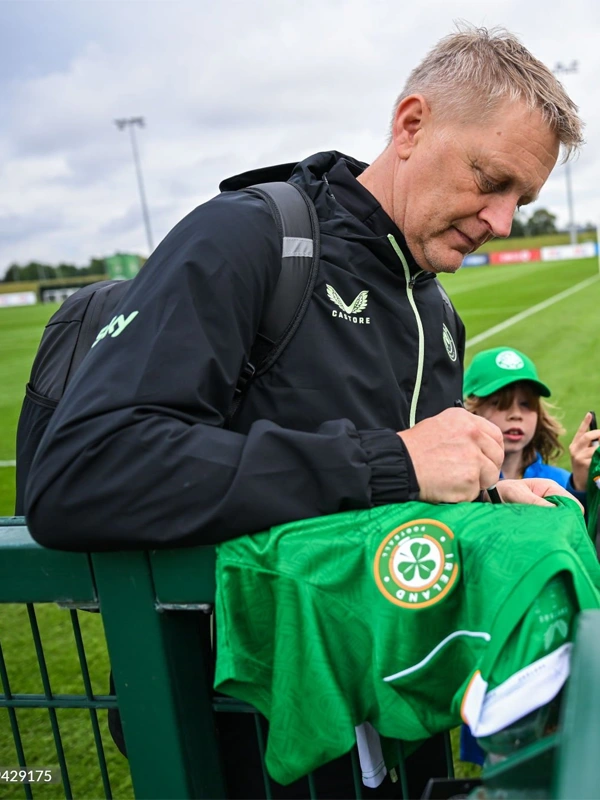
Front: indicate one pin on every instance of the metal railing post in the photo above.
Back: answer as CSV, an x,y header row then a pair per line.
x,y
161,681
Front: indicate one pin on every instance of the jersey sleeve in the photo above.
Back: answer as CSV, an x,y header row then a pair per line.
x,y
137,455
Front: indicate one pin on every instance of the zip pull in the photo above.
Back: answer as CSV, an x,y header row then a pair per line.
x,y
414,277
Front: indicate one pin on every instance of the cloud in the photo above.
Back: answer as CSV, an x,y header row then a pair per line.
x,y
123,223
16,228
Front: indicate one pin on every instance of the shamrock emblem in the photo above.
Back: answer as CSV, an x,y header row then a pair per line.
x,y
416,564
422,564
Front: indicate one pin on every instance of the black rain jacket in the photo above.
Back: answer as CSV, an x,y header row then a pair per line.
x,y
137,455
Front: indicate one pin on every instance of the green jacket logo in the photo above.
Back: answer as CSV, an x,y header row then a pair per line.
x,y
115,327
351,312
416,565
449,343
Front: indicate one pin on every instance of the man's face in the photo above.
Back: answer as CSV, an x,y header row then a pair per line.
x,y
463,180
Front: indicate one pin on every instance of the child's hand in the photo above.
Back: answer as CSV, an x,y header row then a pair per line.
x,y
581,450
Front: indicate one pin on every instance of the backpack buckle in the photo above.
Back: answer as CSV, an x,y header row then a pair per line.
x,y
246,375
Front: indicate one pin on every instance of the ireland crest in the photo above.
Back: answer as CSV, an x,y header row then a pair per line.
x,y
416,565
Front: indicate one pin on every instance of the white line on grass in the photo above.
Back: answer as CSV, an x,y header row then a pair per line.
x,y
529,311
8,463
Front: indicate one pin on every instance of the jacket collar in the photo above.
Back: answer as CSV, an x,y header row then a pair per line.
x,y
355,198
334,174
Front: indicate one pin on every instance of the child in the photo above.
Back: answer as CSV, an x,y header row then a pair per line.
x,y
502,385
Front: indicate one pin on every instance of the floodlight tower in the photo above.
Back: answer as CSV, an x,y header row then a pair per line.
x,y
130,123
563,69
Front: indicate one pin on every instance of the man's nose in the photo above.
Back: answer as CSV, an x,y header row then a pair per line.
x,y
498,214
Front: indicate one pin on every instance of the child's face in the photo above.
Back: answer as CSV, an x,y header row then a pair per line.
x,y
517,422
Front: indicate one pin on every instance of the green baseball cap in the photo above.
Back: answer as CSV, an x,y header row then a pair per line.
x,y
494,369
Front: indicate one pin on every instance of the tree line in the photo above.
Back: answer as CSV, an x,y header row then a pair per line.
x,y
38,271
540,223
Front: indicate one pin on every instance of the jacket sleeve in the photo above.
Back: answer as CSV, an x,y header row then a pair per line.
x,y
136,454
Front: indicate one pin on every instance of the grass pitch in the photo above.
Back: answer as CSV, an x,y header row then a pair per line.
x,y
20,333
561,339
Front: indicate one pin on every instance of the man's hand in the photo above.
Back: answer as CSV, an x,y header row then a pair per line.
x,y
532,491
455,454
581,450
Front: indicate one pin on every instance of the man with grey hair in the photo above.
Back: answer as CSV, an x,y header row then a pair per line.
x,y
482,104
359,409
474,136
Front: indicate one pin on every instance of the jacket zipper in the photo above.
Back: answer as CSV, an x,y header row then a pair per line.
x,y
410,282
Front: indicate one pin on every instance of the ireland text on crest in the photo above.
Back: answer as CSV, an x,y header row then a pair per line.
x,y
416,565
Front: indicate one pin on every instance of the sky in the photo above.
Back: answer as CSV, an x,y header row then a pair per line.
x,y
225,86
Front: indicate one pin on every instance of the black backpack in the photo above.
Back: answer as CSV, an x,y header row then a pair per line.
x,y
71,331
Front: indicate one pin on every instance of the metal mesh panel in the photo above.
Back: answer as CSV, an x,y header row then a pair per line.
x,y
163,674
47,678
47,727
236,708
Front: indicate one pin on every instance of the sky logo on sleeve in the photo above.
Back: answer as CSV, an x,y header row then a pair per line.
x,y
115,327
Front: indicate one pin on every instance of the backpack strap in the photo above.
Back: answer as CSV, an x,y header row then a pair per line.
x,y
298,225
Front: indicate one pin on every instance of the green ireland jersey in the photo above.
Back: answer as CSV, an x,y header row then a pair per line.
x,y
593,498
406,617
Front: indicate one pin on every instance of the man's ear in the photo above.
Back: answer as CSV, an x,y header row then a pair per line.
x,y
411,116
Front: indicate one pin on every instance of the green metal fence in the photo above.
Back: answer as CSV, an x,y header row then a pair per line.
x,y
150,606
156,655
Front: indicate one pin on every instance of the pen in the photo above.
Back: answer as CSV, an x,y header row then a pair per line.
x,y
494,494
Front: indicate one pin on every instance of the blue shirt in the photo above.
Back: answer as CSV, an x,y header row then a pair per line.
x,y
564,478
